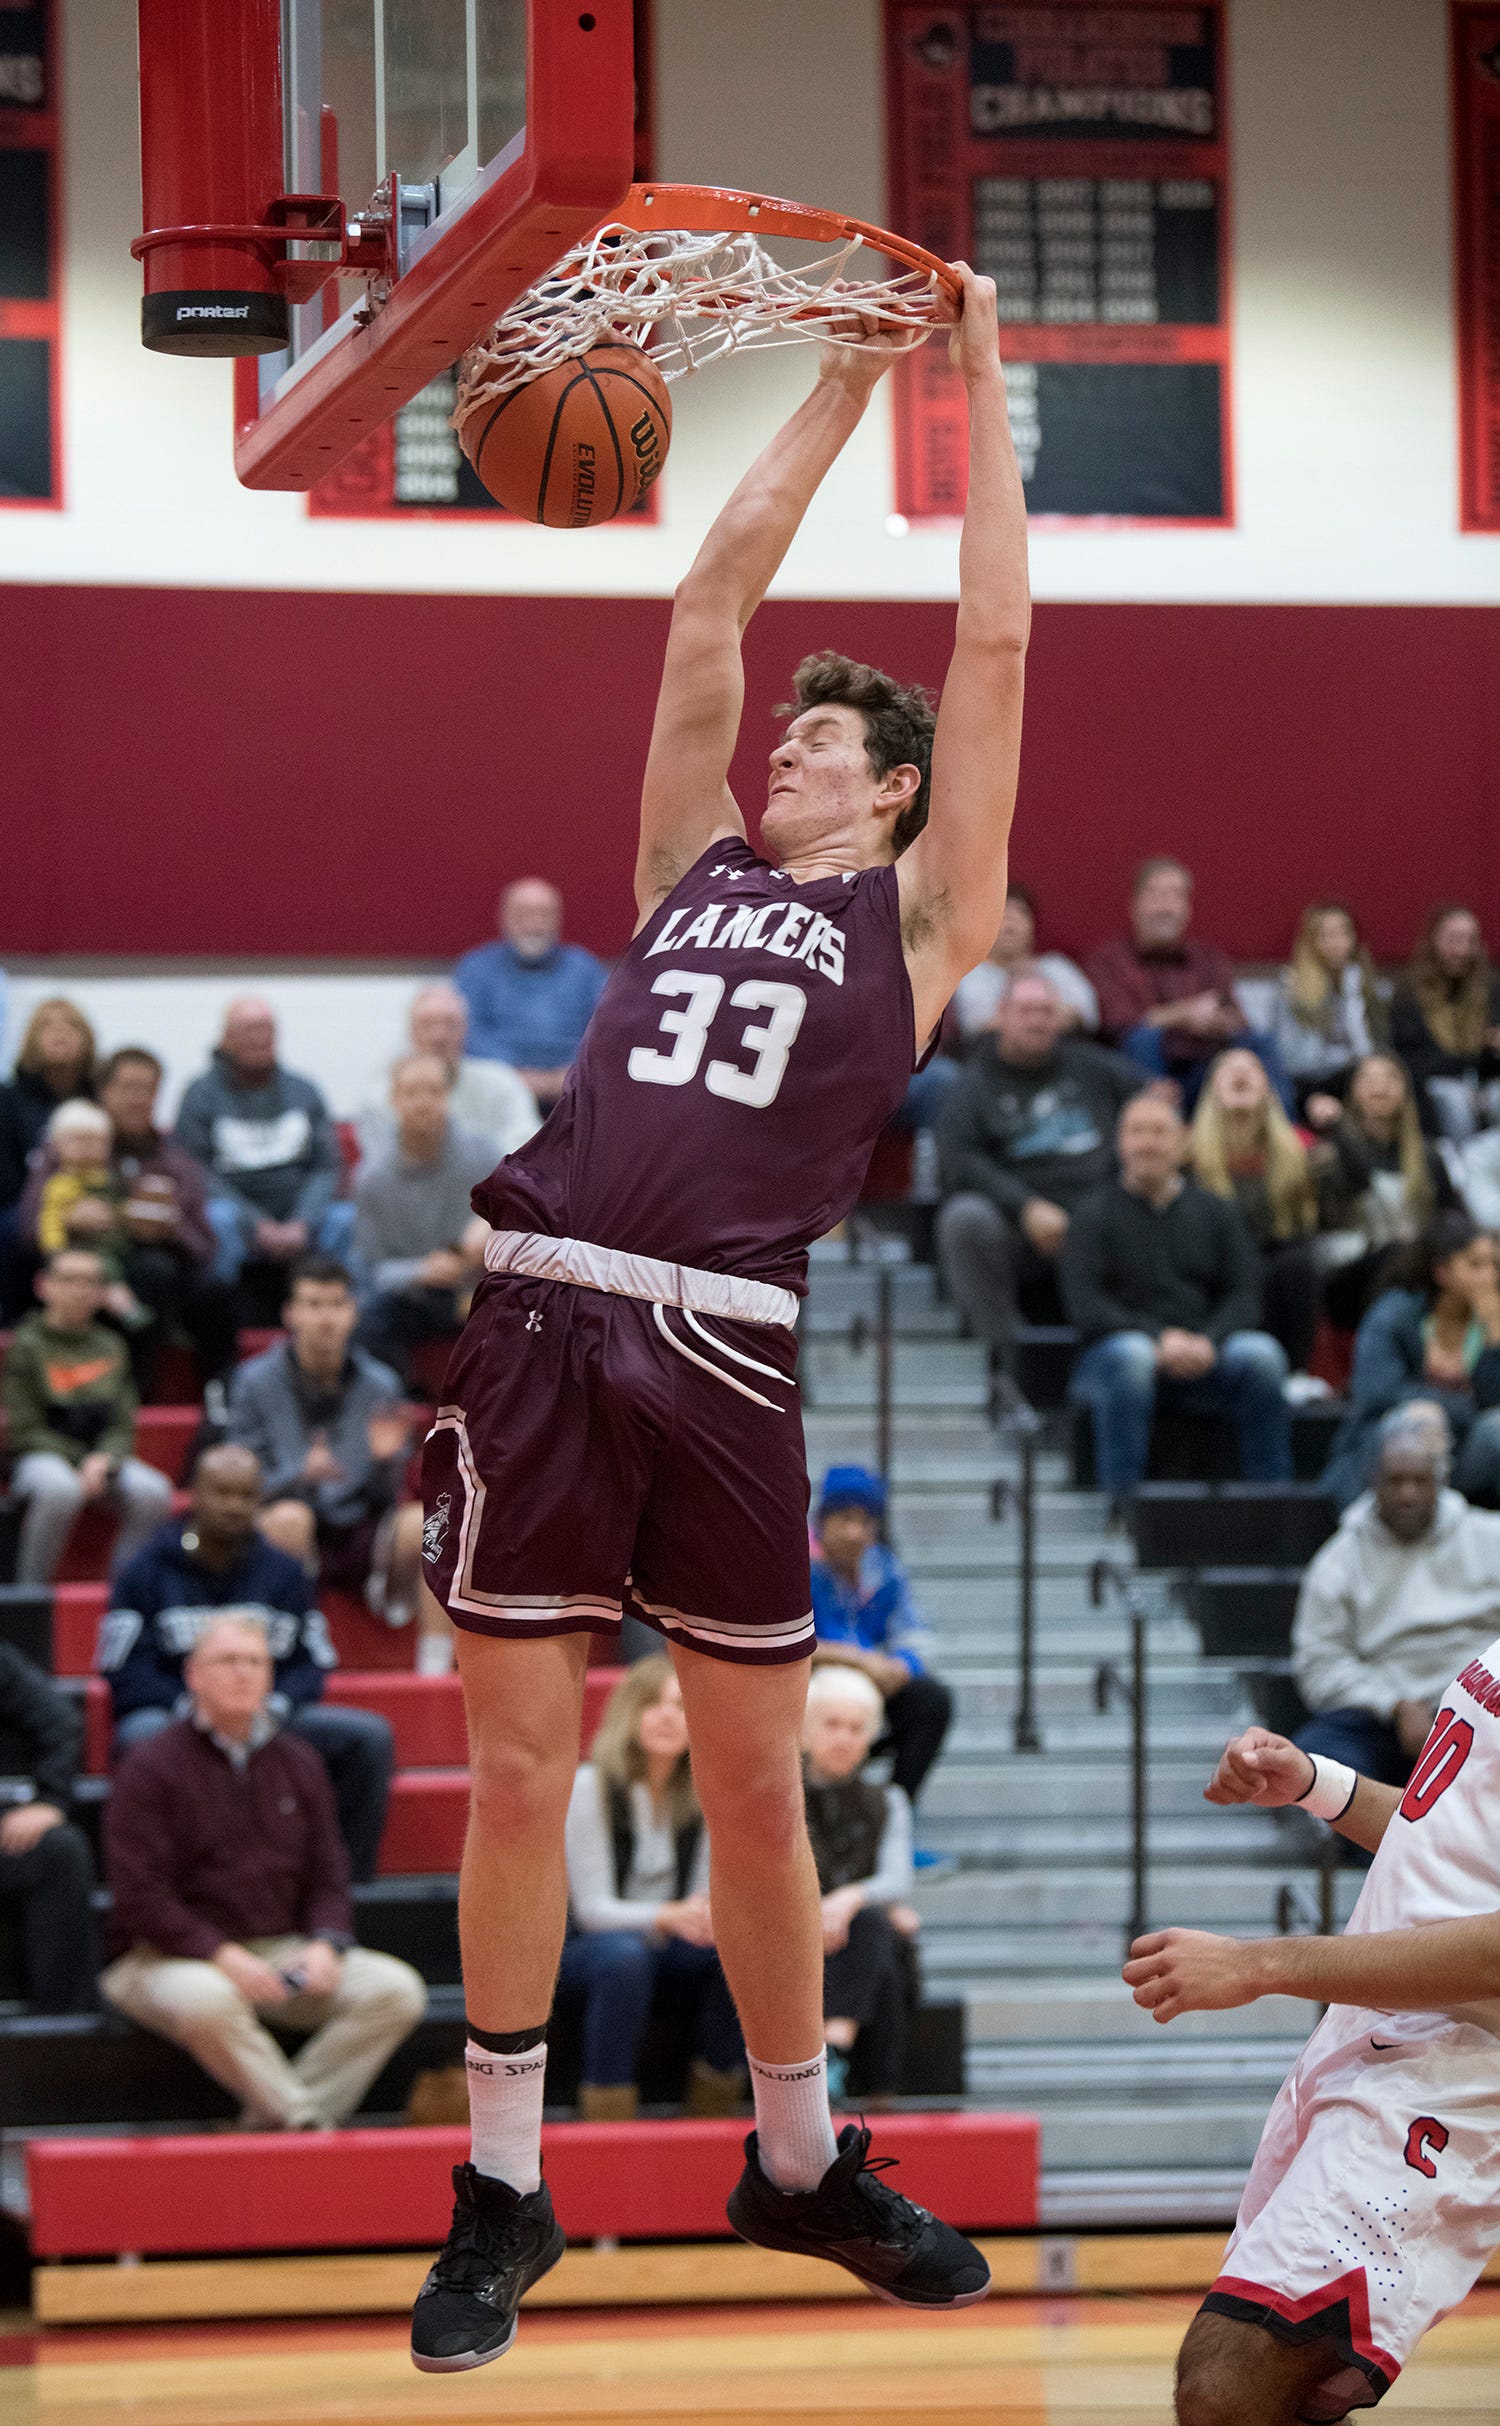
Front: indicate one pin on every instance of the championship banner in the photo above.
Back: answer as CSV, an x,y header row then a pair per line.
x,y
30,315
1077,154
1476,211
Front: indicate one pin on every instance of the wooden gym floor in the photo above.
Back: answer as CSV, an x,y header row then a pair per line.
x,y
1010,2362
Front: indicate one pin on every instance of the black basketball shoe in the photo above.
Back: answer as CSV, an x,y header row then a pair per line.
x,y
855,2219
498,2245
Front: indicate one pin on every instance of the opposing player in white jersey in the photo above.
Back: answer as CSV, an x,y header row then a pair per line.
x,y
1374,2200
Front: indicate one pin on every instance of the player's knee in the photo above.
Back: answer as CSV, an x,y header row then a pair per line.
x,y
760,1808
518,1786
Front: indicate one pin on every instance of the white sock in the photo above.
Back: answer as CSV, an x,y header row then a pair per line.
x,y
793,2122
505,2114
434,1654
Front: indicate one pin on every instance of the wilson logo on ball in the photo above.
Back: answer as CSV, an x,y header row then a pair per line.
x,y
577,445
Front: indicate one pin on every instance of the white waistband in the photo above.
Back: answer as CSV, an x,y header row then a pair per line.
x,y
622,1275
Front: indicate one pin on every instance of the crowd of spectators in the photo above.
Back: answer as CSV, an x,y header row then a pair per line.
x,y
1205,1192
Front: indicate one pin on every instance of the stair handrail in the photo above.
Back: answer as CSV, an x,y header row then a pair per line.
x,y
1110,1681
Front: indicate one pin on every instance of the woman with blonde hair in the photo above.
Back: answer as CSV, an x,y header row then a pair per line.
x,y
639,1919
1445,1024
55,1063
1330,1006
1243,1147
1379,1185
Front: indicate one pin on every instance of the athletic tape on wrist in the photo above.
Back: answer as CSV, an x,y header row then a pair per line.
x,y
1332,1789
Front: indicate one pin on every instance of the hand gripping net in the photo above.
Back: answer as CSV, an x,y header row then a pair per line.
x,y
695,294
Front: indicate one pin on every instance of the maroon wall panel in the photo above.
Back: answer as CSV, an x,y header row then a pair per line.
x,y
204,772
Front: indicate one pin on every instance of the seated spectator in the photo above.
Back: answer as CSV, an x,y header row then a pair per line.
x,y
1445,1024
419,1244
1014,954
483,1096
1379,1184
265,1139
1027,1130
54,1064
327,1425
1330,1008
1244,1149
79,1202
46,1869
162,1236
530,995
865,1617
1165,998
1162,1280
1434,1337
231,1901
1404,1596
637,1861
217,1559
71,1409
861,1841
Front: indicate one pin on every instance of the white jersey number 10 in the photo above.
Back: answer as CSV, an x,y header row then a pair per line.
x,y
688,1028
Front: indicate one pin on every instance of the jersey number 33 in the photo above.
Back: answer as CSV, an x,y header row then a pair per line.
x,y
768,1041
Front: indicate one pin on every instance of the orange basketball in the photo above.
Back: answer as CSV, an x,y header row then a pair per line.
x,y
577,445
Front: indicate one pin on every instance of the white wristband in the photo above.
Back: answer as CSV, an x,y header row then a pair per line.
x,y
1332,1789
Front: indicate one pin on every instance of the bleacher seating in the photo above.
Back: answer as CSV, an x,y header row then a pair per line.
x,y
1230,1524
372,2189
1201,1448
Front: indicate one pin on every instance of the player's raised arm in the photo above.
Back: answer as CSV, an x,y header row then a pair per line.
x,y
686,802
953,876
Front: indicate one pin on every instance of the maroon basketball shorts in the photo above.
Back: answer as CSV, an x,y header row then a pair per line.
x,y
600,1453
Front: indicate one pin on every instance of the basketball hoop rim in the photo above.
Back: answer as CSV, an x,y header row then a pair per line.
x,y
707,209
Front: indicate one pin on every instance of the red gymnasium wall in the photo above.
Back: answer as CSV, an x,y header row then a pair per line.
x,y
305,774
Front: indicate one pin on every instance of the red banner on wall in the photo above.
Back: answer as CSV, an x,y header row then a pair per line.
x,y
1077,154
30,257
1476,204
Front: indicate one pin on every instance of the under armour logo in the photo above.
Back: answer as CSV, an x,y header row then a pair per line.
x,y
733,874
533,1320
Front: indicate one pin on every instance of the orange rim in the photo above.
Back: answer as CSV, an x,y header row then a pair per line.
x,y
704,208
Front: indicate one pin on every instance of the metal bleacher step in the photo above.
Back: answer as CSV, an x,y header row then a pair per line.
x,y
1061,2010
1201,2070
1010,1844
1026,1788
1227,1897
1218,2134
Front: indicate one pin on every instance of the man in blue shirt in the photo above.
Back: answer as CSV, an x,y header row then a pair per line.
x,y
864,1617
194,1569
530,995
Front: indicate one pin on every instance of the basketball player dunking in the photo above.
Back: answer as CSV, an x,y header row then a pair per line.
x,y
622,1424
1374,2199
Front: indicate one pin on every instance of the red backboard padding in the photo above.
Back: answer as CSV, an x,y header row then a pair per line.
x,y
390,2189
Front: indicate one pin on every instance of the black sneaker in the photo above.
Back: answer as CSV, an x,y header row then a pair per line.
x,y
498,2245
856,2220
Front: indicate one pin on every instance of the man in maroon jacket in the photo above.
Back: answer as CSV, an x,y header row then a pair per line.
x,y
1165,998
169,1258
231,1901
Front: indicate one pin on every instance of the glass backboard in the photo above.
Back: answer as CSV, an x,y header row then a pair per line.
x,y
497,132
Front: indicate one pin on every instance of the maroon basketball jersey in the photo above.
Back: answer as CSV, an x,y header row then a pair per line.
x,y
744,1057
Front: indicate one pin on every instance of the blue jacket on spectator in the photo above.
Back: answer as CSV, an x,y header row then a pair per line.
x,y
876,1614
163,1598
1390,1351
531,1013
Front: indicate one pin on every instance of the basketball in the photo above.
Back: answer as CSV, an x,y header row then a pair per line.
x,y
577,445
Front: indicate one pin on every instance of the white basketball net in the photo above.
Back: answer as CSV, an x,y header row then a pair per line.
x,y
696,296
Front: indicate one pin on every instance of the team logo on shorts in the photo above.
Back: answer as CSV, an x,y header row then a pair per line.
x,y
533,1320
435,1530
1426,2132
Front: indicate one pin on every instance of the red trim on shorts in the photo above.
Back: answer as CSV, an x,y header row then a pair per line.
x,y
1337,2312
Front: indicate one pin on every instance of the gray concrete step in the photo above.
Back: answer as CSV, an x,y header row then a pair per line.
x,y
1212,2137
1226,1896
1075,1844
1062,2010
1032,1786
